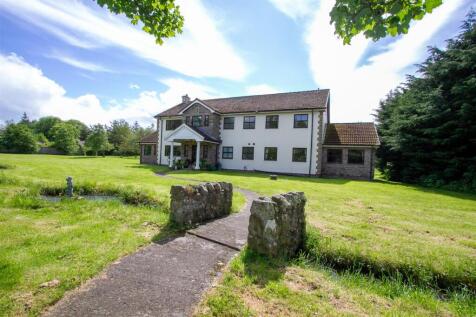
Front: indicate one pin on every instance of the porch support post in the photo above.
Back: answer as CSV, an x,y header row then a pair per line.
x,y
171,154
197,160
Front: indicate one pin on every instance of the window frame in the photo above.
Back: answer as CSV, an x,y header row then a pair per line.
x,y
204,152
334,150
269,121
305,154
276,153
226,126
249,125
199,117
252,153
227,152
167,150
171,124
149,151
296,121
206,120
179,151
187,120
362,153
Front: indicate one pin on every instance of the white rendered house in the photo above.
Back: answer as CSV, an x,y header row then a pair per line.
x,y
276,133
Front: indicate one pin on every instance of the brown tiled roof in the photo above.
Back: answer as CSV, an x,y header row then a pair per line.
x,y
312,99
150,138
361,133
204,134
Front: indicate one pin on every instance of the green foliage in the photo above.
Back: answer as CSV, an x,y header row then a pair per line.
x,y
65,137
379,18
81,127
97,139
119,132
160,18
45,124
18,138
428,125
130,145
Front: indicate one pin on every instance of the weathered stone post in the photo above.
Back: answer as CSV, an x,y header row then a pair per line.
x,y
69,186
277,225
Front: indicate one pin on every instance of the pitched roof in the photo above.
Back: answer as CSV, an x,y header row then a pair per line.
x,y
205,135
312,99
360,133
150,138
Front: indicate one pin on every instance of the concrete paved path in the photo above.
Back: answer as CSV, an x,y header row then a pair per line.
x,y
162,279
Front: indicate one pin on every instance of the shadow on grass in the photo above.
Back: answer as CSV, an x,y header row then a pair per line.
x,y
261,269
319,250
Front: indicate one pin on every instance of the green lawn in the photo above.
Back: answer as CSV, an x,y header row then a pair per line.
x,y
374,248
70,241
424,237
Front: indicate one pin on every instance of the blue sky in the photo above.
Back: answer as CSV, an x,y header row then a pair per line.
x,y
74,59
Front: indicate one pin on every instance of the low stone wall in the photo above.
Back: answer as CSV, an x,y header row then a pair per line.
x,y
277,225
193,204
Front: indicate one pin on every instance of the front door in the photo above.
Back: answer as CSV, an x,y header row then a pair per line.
x,y
194,153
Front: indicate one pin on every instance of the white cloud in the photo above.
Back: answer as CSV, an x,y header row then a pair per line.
x,y
79,63
201,51
134,86
295,8
24,88
356,89
261,89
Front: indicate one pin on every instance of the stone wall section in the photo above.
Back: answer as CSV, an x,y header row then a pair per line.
x,y
193,204
277,225
346,170
214,119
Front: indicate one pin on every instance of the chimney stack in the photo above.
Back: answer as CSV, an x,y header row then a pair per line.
x,y
185,99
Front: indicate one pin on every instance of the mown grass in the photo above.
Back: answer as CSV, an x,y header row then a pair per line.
x,y
74,239
414,236
254,285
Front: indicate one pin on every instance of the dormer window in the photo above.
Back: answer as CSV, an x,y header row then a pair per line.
x,y
196,121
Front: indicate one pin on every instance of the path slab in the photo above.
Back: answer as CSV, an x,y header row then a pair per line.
x,y
162,279
159,280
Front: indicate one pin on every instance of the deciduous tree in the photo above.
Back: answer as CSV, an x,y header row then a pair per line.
x,y
97,139
65,137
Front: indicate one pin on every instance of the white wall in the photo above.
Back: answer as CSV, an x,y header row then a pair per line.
x,y
285,138
163,134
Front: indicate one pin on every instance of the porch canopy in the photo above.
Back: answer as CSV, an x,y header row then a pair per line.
x,y
187,133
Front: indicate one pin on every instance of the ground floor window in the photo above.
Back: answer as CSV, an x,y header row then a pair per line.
x,y
177,150
167,150
248,153
355,156
204,152
147,149
334,156
227,152
299,154
270,153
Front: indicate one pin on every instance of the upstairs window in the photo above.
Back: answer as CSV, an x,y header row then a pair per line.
x,y
172,124
227,152
229,123
248,153
272,122
300,120
249,122
187,120
334,156
299,154
270,153
196,121
355,157
206,120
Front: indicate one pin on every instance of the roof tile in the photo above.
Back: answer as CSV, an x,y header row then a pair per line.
x,y
361,133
